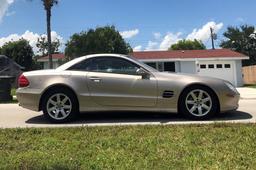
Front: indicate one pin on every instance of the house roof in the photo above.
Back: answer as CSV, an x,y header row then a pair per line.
x,y
175,54
188,54
59,56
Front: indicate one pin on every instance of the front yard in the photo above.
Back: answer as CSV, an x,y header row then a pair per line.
x,y
216,146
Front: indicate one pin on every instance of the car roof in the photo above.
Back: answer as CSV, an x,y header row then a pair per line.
x,y
79,59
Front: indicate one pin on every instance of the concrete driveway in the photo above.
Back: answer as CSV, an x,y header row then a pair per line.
x,y
247,93
11,116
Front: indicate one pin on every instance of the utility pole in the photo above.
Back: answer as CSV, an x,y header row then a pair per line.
x,y
213,36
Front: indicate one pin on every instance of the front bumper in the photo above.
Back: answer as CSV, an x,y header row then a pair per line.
x,y
230,101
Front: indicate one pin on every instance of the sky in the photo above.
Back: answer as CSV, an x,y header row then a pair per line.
x,y
145,24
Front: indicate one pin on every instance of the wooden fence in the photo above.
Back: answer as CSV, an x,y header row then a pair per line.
x,y
249,74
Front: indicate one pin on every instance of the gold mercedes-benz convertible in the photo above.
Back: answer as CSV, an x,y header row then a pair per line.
x,y
113,82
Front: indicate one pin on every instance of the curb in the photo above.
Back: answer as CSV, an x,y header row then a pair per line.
x,y
245,98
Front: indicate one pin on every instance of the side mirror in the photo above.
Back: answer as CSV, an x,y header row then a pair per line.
x,y
144,74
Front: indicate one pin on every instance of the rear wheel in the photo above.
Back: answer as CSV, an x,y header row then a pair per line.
x,y
198,103
59,106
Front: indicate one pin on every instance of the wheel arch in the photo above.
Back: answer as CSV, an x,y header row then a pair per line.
x,y
57,86
198,85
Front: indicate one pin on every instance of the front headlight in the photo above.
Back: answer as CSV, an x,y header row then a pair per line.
x,y
231,86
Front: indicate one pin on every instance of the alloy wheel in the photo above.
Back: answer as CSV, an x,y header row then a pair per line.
x,y
59,106
198,102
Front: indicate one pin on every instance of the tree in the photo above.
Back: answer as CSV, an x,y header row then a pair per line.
x,y
48,4
188,45
101,40
42,45
241,39
20,51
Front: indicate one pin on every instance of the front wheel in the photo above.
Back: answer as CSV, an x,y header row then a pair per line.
x,y
59,106
198,103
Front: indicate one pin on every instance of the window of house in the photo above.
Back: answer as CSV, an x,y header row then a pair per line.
x,y
169,66
219,65
160,66
210,65
152,65
227,65
203,66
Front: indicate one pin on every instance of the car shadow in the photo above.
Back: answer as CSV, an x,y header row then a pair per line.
x,y
138,117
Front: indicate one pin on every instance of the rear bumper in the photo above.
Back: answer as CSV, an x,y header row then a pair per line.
x,y
28,99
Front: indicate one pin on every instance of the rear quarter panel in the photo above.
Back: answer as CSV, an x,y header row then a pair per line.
x,y
41,81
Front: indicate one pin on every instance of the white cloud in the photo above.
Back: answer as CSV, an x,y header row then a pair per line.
x,y
4,5
157,35
152,46
163,43
169,39
32,38
137,48
130,33
240,19
203,33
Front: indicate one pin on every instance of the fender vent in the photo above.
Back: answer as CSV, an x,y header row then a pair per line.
x,y
167,94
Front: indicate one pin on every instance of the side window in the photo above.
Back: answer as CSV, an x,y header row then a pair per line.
x,y
113,65
82,66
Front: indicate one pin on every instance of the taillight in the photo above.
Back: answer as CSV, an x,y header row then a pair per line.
x,y
23,81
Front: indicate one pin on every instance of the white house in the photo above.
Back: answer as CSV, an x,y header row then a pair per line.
x,y
56,60
220,63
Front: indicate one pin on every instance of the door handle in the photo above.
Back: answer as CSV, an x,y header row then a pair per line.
x,y
95,79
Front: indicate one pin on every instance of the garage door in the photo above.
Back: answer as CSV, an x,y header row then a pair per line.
x,y
218,69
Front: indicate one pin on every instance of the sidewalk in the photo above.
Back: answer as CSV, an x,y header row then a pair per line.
x,y
247,93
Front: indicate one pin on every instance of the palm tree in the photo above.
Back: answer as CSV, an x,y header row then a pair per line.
x,y
48,4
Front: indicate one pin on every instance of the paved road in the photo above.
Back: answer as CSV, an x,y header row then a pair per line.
x,y
11,116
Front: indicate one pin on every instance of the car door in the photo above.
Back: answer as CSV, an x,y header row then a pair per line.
x,y
113,81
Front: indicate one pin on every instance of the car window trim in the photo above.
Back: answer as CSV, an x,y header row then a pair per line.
x,y
92,58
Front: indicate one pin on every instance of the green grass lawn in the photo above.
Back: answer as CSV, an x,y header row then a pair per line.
x,y
217,146
13,92
250,85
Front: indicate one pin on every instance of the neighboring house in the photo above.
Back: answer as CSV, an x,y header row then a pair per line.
x,y
57,59
220,63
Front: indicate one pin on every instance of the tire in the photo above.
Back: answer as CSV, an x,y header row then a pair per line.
x,y
198,103
60,105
